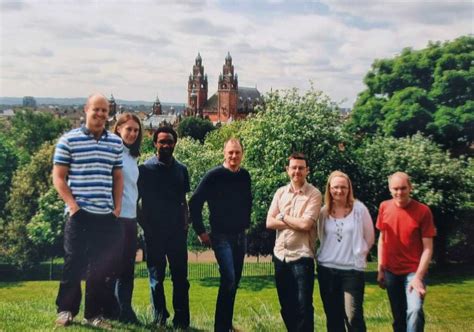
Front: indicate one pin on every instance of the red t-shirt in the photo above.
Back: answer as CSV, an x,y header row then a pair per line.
x,y
403,229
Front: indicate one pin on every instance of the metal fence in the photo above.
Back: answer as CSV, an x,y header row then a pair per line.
x,y
211,270
48,271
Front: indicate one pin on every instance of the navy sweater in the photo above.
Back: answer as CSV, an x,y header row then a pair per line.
x,y
229,198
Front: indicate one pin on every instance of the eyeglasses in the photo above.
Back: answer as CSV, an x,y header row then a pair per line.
x,y
299,168
339,188
165,141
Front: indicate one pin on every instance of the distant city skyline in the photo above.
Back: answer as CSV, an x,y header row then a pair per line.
x,y
140,50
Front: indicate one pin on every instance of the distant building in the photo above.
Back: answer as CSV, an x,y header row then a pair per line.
x,y
29,101
159,117
230,102
8,113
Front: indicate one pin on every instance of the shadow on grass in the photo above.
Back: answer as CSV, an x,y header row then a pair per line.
x,y
133,327
11,284
438,275
246,283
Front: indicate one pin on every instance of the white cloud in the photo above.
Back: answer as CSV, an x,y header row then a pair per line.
x,y
136,50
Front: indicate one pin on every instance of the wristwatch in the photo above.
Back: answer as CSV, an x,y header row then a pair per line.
x,y
281,217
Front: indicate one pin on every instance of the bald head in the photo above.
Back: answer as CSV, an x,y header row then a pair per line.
x,y
97,112
400,187
96,96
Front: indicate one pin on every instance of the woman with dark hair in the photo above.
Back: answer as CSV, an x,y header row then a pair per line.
x,y
346,234
129,128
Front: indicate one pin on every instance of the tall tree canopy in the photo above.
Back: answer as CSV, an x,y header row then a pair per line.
x,y
429,90
29,130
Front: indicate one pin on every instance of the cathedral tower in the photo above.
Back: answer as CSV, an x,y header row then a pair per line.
x,y
197,88
227,92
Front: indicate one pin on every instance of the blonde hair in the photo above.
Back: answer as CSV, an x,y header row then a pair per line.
x,y
327,195
401,175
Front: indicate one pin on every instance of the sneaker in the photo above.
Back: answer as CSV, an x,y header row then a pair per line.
x,y
64,318
98,322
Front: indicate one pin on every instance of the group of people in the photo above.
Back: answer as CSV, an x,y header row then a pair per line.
x,y
345,232
106,193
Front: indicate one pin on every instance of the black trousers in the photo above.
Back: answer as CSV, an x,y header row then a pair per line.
x,y
163,246
92,247
125,282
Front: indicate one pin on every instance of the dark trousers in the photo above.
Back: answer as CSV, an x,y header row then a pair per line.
x,y
162,246
295,284
342,294
124,284
229,250
92,246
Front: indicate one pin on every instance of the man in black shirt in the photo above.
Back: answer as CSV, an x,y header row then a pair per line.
x,y
162,184
227,190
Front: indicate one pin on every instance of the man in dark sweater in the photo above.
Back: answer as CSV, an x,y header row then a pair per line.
x,y
162,184
227,190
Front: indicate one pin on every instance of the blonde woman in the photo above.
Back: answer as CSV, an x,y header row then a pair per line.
x,y
346,234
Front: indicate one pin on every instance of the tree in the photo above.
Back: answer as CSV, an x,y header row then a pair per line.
x,y
443,183
307,122
8,164
30,182
422,90
29,130
195,127
45,230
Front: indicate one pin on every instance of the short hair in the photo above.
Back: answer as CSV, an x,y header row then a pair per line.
x,y
124,117
327,195
165,129
235,141
298,156
402,175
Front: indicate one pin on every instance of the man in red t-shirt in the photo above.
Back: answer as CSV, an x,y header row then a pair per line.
x,y
405,248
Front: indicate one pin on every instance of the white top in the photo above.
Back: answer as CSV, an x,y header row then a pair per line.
x,y
336,250
345,242
130,189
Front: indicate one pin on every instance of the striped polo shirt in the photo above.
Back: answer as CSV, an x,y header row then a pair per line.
x,y
91,163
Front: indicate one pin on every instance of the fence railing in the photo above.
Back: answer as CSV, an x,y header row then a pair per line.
x,y
211,270
195,271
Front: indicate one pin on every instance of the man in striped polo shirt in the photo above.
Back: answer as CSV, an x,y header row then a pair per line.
x,y
87,174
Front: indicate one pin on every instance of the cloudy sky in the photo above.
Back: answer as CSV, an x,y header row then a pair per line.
x,y
140,49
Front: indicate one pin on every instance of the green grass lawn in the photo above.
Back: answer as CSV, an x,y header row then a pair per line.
x,y
29,305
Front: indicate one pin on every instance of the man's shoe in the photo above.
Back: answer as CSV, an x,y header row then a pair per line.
x,y
64,318
98,322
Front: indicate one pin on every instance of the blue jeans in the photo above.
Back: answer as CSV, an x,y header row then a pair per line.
x,y
342,293
229,250
295,284
407,307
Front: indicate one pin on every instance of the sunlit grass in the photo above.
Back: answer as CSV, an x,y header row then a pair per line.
x,y
29,306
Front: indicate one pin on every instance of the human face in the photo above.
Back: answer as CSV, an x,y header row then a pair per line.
x,y
129,132
400,189
339,189
233,156
297,171
97,112
165,145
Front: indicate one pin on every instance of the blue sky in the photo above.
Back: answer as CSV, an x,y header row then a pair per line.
x,y
140,49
